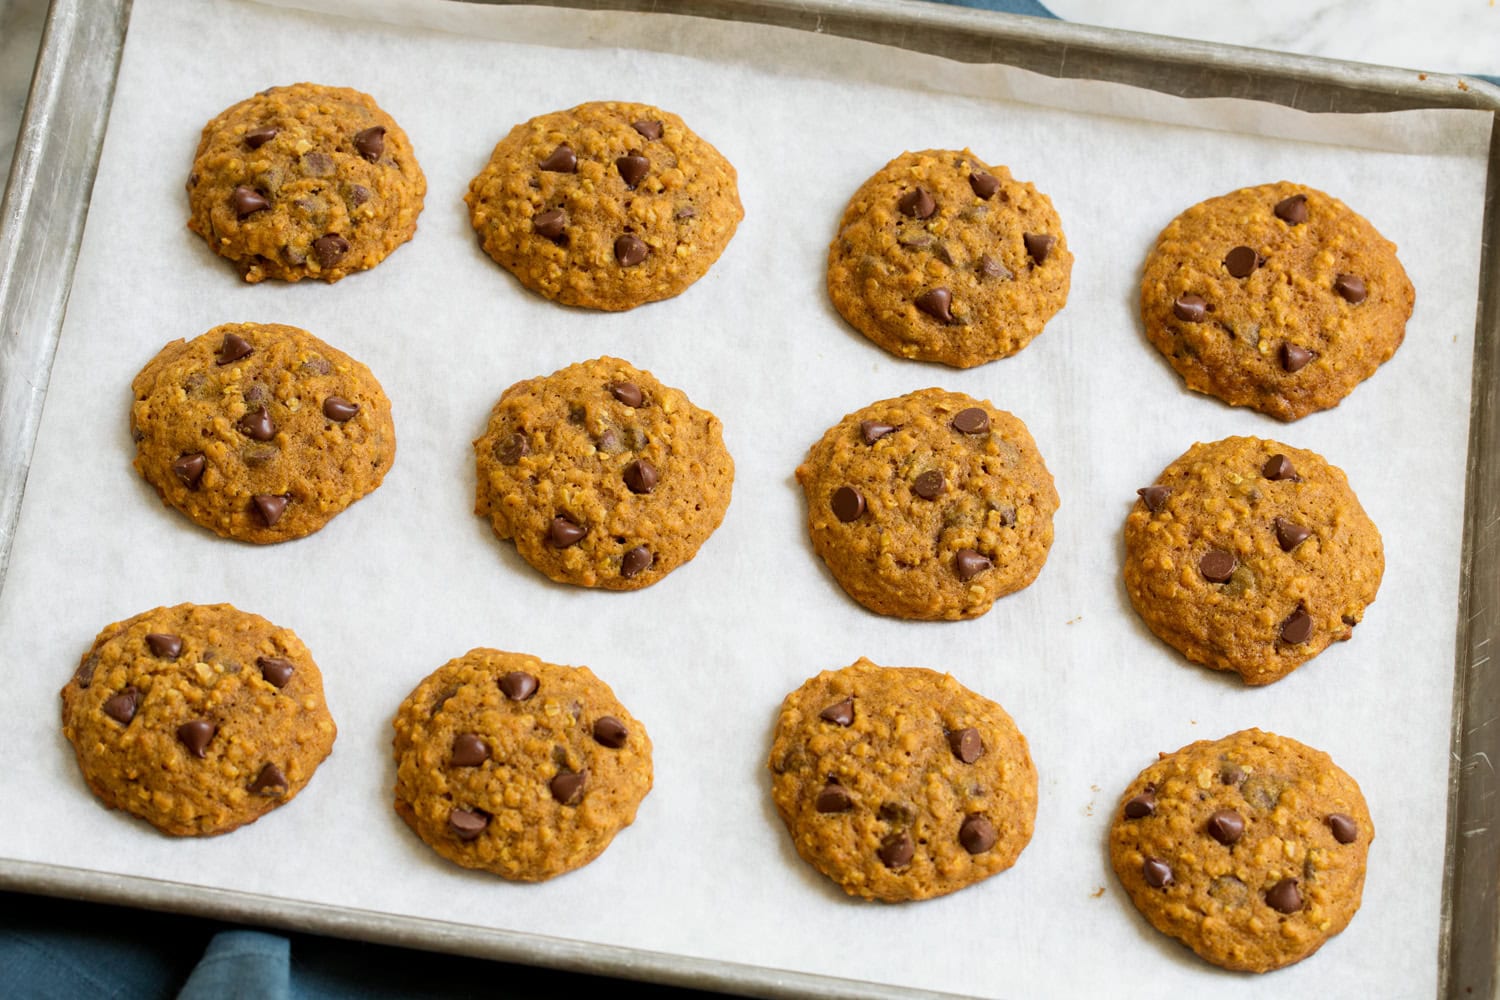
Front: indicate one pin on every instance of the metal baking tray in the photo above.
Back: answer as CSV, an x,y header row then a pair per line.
x,y
42,220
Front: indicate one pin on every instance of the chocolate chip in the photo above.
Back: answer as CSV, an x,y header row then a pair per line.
x,y
270,507
610,732
969,563
1038,246
847,504
977,834
1297,628
258,137
937,303
929,485
233,348
1292,210
358,195
637,560
896,851
512,449
1232,774
1345,830
833,799
316,366
966,744
84,675
122,706
340,409
917,203
565,532
1289,535
518,685
874,430
628,393
370,142
467,824
270,781
648,130
567,787
1142,805
632,168
1284,897
1226,826
167,647
257,425
916,241
971,421
640,476
685,212
248,201
993,267
562,161
1350,288
1241,261
189,469
195,736
550,224
468,750
1154,496
1157,872
840,713
1294,358
276,670
630,250
1277,468
315,164
330,249
1190,308
985,185
1217,566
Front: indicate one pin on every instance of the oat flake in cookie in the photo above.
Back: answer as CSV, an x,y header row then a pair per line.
x,y
523,768
899,782
1251,556
305,181
942,257
601,475
607,205
1250,849
929,506
1277,297
260,432
198,719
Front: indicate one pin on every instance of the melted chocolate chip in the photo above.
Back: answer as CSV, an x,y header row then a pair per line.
x,y
1297,628
1278,468
1039,246
874,430
121,707
648,130
518,685
469,750
636,561
1226,826
977,834
1283,897
897,850
632,168
196,735
467,824
937,303
1190,308
971,421
340,409
1289,534
917,203
164,646
550,224
984,184
270,508
189,469
966,744
561,161
1217,566
1241,262
840,713
1154,496
564,532
630,250
258,137
1294,358
1292,210
1345,830
640,476
1232,774
567,787
994,267
270,781
276,670
371,142
1350,288
833,798
610,732
969,563
233,348
512,449
330,249
929,485
1157,872
248,201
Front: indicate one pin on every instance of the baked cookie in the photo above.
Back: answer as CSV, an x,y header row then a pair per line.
x,y
1277,297
1250,850
1251,556
605,206
900,783
523,768
601,475
929,506
260,432
305,181
198,719
942,257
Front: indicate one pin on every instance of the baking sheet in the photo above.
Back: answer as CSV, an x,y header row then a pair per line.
x,y
409,578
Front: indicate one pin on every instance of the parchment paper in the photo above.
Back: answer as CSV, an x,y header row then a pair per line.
x,y
409,578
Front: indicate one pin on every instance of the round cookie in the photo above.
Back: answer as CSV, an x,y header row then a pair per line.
x,y
260,432
1251,556
899,782
929,506
607,205
305,181
601,475
942,257
198,718
1277,297
1250,849
522,768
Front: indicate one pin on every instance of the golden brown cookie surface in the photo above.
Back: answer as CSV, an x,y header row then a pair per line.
x,y
305,181
929,506
1249,849
523,768
198,719
899,782
260,432
607,205
1252,556
1277,297
602,475
942,257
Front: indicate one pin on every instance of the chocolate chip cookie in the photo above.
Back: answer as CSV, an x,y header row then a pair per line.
x,y
260,432
607,205
198,719
899,782
523,768
942,257
1277,297
929,506
1251,556
601,475
305,181
1250,850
